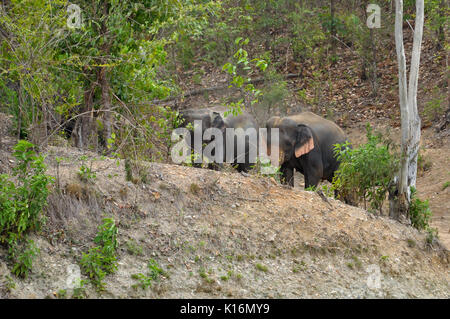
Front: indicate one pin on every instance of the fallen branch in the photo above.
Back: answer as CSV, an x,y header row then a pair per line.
x,y
218,88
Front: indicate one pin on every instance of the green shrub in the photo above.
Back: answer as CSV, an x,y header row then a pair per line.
x,y
366,172
23,259
101,260
21,204
22,201
419,212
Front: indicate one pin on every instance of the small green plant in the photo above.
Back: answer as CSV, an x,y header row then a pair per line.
x,y
358,262
420,215
432,234
101,260
419,212
422,163
411,242
61,294
23,260
299,266
205,276
86,174
133,248
261,267
194,188
266,169
446,184
153,274
9,283
328,190
80,292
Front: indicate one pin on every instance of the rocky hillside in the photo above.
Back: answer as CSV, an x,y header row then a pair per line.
x,y
222,234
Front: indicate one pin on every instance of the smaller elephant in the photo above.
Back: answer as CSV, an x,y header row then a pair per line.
x,y
306,143
214,117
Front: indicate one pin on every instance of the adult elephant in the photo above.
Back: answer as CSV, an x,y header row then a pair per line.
x,y
306,143
245,128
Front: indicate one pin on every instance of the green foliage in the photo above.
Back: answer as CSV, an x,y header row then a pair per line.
x,y
366,171
80,292
21,202
134,248
422,163
23,259
240,71
432,234
101,260
268,170
437,17
307,34
446,184
436,107
86,174
261,267
153,274
419,212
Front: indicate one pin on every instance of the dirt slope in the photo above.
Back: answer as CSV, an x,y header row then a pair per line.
x,y
221,234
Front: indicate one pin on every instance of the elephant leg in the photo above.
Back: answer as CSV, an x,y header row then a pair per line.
x,y
287,175
311,179
242,167
313,171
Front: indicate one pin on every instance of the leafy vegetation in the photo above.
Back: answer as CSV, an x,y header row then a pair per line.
x,y
420,215
22,198
153,274
23,259
366,172
101,260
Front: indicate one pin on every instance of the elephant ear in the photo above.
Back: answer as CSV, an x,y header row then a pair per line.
x,y
304,142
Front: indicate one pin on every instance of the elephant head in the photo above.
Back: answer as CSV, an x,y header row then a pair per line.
x,y
294,140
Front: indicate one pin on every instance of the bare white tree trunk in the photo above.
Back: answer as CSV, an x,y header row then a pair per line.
x,y
410,120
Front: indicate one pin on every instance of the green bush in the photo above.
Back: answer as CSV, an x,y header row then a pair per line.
x,y
419,212
22,200
101,260
366,172
23,259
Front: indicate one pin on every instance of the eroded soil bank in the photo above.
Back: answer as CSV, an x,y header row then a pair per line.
x,y
222,234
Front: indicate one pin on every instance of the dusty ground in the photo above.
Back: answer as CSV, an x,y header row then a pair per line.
x,y
221,234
